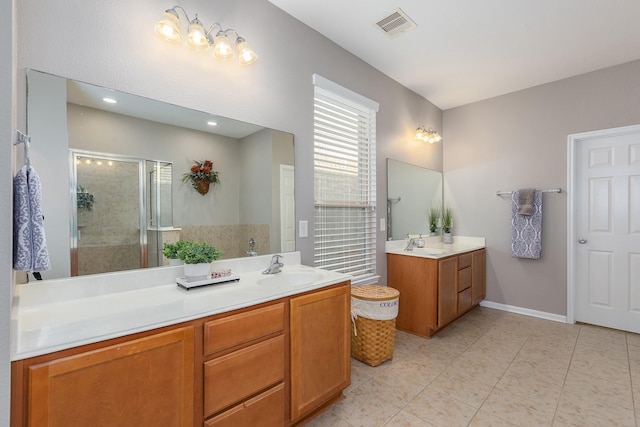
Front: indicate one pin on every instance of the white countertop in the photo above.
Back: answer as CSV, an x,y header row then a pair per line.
x,y
434,248
54,315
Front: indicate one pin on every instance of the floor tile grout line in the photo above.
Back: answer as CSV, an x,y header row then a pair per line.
x,y
566,374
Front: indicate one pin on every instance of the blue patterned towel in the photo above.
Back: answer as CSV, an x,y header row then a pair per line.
x,y
29,243
526,230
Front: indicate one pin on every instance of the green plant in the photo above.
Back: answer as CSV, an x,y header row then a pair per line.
x,y
170,250
434,216
85,199
197,252
447,219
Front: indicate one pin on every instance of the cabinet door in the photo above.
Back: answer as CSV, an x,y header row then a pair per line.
x,y
478,276
144,382
320,348
416,279
447,290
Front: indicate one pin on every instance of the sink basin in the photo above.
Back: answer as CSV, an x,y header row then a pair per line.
x,y
291,278
430,251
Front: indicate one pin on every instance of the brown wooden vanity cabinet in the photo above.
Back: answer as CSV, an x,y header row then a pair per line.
x,y
274,364
435,292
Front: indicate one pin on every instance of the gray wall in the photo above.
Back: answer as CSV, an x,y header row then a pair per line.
x,y
519,140
7,120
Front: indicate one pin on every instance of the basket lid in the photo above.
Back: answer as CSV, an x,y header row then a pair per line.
x,y
374,292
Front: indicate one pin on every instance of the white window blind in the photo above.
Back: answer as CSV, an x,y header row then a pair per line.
x,y
344,185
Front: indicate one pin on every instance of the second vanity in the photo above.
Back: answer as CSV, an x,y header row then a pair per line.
x,y
269,350
437,283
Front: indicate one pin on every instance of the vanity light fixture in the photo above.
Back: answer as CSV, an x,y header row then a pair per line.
x,y
427,135
199,39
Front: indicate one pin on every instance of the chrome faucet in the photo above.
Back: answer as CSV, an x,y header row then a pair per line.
x,y
274,266
410,244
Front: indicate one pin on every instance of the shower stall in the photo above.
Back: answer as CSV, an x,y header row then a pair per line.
x,y
119,209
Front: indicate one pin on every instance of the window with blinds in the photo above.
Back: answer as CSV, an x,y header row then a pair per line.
x,y
344,185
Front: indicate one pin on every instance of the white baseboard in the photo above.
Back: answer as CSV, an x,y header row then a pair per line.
x,y
525,311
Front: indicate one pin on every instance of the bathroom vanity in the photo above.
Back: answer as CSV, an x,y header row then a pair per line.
x,y
437,283
265,351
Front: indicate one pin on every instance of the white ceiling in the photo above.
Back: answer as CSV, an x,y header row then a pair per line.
x,y
464,51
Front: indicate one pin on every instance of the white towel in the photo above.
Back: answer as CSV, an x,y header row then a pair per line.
x,y
29,242
526,230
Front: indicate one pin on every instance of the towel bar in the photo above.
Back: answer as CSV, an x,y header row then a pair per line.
x,y
555,190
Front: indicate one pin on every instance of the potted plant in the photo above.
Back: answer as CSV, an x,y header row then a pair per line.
x,y
170,251
434,217
447,225
197,258
201,176
85,199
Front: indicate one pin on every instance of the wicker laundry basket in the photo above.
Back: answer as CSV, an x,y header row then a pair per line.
x,y
374,310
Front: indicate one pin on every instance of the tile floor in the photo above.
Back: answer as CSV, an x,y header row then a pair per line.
x,y
492,368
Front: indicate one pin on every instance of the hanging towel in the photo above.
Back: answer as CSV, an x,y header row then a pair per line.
x,y
526,230
29,242
525,201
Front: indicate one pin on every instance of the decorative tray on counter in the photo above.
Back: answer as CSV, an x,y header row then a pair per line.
x,y
196,282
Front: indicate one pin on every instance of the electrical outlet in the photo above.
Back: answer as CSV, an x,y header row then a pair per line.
x,y
303,229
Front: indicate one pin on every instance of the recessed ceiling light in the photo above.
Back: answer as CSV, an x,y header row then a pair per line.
x,y
110,100
212,123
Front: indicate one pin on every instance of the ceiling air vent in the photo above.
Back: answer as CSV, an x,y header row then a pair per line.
x,y
396,23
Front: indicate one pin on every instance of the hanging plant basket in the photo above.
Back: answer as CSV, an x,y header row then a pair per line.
x,y
202,186
201,176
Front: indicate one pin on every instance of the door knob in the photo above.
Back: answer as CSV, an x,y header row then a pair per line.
x,y
582,241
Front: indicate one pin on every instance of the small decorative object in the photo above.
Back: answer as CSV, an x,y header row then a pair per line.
x,y
85,199
434,216
197,258
201,176
170,251
447,225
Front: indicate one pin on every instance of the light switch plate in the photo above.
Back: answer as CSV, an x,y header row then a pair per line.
x,y
303,228
383,224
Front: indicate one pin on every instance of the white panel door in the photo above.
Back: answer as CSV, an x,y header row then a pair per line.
x,y
607,230
287,210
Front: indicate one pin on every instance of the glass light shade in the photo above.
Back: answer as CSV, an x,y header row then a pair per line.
x,y
222,49
246,56
197,38
419,134
169,27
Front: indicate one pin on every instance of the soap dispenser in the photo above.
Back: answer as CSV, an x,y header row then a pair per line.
x,y
420,243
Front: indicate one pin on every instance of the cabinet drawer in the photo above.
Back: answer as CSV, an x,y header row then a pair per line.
x,y
238,375
240,328
264,410
464,261
464,300
464,279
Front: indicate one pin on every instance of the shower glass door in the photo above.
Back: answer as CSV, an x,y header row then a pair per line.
x,y
108,222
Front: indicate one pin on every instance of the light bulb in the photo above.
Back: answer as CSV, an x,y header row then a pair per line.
x,y
169,27
246,56
197,38
222,49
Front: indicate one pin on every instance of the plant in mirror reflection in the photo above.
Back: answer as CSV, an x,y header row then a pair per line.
x,y
202,175
434,217
85,199
447,219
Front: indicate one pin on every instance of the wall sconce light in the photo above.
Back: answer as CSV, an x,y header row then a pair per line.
x,y
427,135
199,39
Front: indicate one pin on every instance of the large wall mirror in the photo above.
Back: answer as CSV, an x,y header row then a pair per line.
x,y
411,193
112,182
